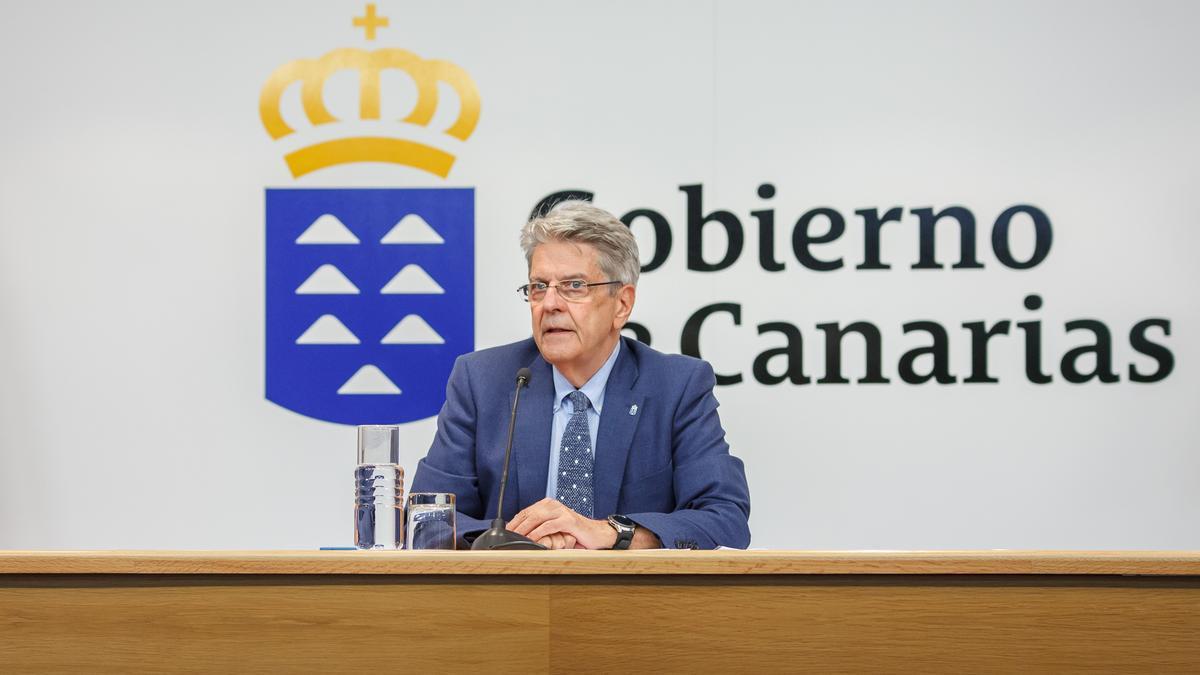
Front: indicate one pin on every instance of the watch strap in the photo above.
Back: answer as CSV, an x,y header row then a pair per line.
x,y
624,533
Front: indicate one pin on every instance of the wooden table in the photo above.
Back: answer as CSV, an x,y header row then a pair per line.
x,y
599,611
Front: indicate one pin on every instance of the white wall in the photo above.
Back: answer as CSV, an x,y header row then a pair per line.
x,y
134,164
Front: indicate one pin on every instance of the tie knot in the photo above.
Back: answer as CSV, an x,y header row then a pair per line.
x,y
579,400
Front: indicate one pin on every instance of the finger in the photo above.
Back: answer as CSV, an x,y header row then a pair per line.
x,y
516,521
523,516
537,514
526,520
568,540
527,524
549,527
557,540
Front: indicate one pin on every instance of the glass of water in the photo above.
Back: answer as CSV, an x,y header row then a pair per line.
x,y
430,521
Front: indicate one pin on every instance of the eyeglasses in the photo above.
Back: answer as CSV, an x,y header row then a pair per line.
x,y
571,290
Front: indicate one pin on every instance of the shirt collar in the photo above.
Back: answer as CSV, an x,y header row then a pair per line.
x,y
593,388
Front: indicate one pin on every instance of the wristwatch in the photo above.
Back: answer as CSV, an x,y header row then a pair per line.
x,y
624,527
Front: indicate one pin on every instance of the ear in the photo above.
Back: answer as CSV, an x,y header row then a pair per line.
x,y
625,299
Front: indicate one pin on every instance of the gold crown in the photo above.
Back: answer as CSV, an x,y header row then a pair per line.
x,y
312,73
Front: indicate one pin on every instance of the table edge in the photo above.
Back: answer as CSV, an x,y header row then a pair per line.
x,y
668,562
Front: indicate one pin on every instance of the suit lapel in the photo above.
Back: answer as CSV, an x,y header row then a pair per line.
x,y
531,439
617,424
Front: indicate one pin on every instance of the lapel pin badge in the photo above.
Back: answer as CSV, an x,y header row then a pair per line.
x,y
633,409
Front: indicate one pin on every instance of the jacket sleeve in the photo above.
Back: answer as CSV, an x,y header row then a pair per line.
x,y
450,464
711,495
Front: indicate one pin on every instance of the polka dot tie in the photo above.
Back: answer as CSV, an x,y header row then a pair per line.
x,y
575,460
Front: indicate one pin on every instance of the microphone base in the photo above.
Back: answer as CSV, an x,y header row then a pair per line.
x,y
497,537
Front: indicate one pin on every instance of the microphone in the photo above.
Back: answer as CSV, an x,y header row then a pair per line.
x,y
498,536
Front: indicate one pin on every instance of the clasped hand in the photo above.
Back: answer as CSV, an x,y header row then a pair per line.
x,y
554,525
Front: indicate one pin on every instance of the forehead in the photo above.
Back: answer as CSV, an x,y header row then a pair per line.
x,y
563,259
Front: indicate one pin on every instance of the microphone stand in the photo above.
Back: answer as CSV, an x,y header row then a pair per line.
x,y
498,536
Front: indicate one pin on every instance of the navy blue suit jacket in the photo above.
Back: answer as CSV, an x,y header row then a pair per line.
x,y
665,463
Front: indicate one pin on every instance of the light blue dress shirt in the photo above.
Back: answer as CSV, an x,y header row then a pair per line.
x,y
594,390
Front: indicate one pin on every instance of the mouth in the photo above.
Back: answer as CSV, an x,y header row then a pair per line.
x,y
550,332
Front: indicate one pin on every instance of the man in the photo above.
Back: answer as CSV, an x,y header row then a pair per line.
x,y
616,445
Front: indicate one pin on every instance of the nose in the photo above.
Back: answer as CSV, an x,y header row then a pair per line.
x,y
552,301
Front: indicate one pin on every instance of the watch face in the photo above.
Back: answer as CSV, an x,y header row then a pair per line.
x,y
623,521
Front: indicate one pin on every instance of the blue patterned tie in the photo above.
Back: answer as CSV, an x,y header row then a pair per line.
x,y
575,460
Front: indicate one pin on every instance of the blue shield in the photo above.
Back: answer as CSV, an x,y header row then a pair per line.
x,y
370,298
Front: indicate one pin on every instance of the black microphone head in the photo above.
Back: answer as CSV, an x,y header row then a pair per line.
x,y
523,376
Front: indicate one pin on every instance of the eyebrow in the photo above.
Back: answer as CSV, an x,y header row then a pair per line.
x,y
569,277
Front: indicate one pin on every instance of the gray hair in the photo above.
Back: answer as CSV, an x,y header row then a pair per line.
x,y
581,223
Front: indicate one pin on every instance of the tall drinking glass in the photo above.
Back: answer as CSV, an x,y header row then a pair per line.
x,y
378,489
431,521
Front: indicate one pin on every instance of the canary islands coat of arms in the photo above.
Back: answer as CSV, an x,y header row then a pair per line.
x,y
370,292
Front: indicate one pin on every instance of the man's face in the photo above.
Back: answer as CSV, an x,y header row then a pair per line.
x,y
577,337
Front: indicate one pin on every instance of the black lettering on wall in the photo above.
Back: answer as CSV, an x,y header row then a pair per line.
x,y
1101,348
689,340
939,350
554,198
640,332
801,239
792,352
695,230
1033,343
1156,351
872,223
662,235
833,352
980,335
1043,237
766,231
966,238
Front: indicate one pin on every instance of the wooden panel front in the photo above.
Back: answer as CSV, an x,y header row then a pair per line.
x,y
598,623
269,624
882,624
